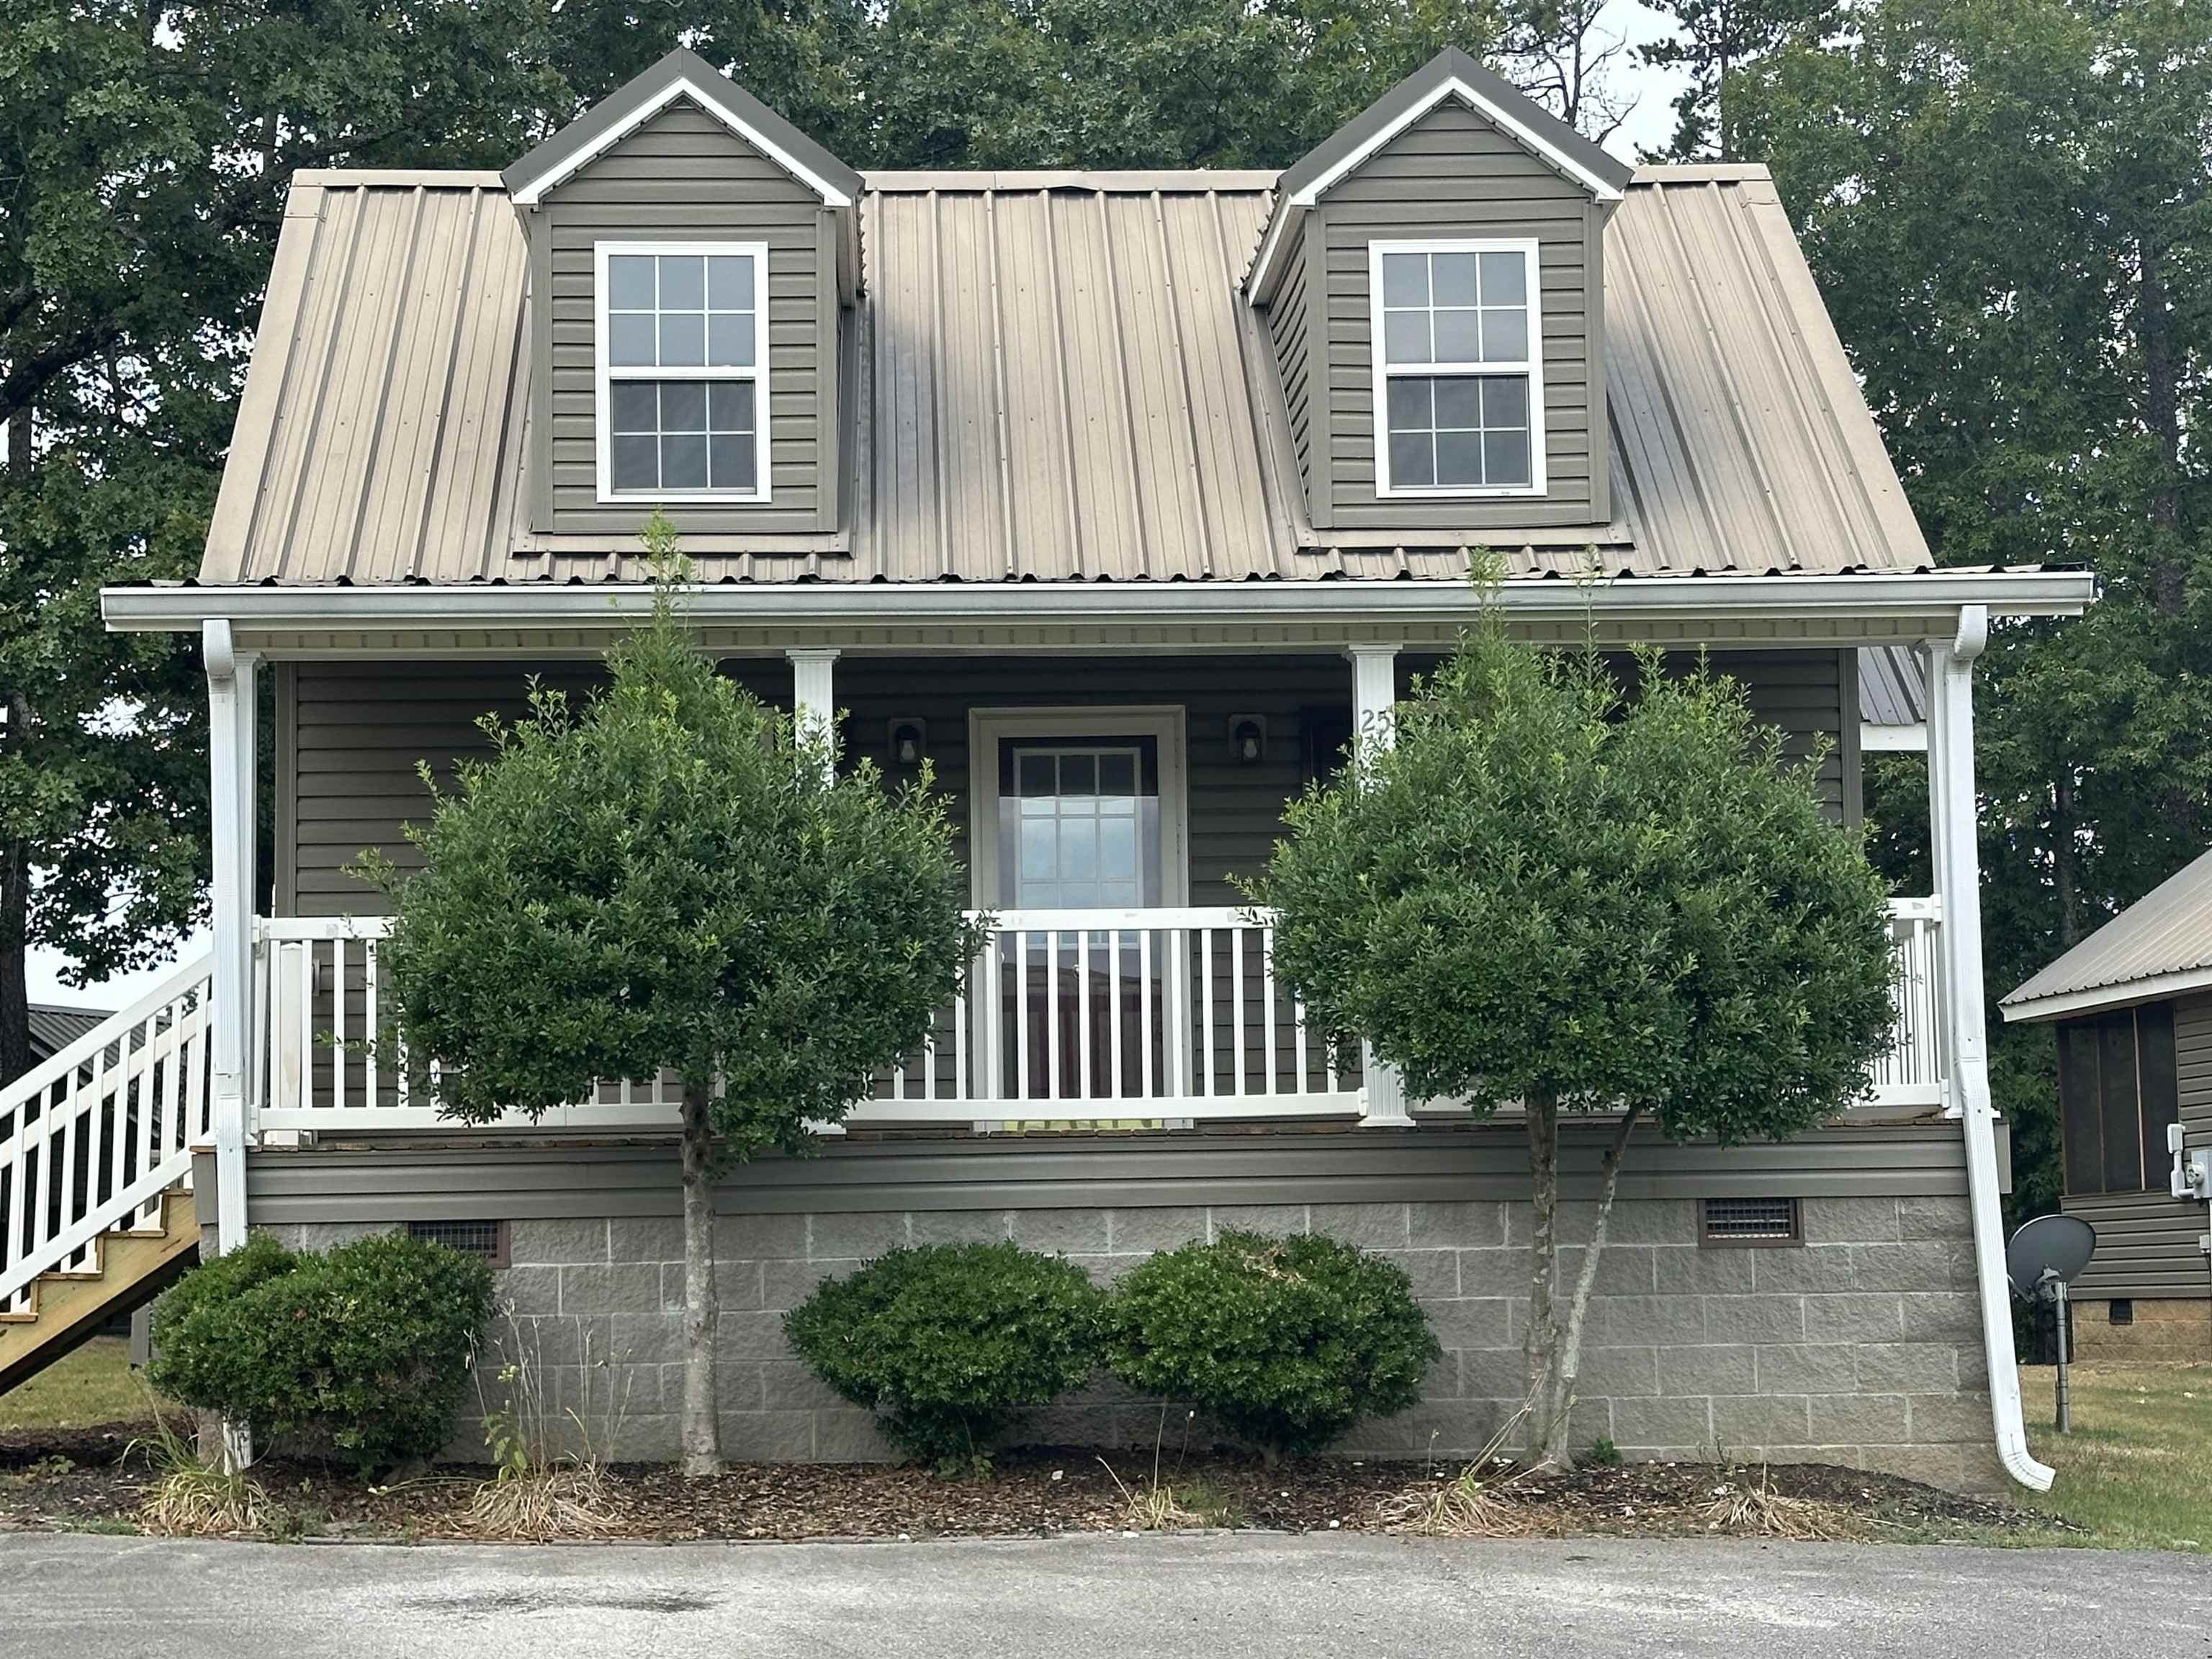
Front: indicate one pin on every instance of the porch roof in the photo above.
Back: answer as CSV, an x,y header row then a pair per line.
x,y
385,444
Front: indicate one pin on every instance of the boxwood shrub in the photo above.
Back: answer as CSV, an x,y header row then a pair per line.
x,y
361,1351
1286,1342
949,1343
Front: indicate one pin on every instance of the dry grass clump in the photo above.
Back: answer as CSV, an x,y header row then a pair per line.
x,y
543,1505
1755,1509
191,1499
1476,1503
540,1494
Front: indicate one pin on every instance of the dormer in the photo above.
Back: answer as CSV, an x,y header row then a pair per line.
x,y
1431,280
691,256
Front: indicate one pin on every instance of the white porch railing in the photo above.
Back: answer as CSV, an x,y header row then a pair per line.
x,y
91,1138
1155,1015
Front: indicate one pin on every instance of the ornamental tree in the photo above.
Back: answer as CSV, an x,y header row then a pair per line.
x,y
1550,893
673,879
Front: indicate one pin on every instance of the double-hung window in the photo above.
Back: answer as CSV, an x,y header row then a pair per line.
x,y
682,344
1458,374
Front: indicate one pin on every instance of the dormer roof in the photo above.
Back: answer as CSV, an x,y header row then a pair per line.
x,y
1450,74
682,73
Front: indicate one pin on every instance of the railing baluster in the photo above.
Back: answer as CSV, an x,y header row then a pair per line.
x,y
1021,1014
1082,1011
1268,998
1206,1004
1237,1002
1298,1042
1114,1003
338,1022
1052,1013
304,1062
372,1089
1144,1008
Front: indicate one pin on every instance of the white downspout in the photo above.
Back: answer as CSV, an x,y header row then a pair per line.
x,y
1956,841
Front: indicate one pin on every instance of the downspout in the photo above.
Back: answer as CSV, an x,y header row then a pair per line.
x,y
1952,798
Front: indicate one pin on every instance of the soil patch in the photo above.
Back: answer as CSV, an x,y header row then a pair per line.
x,y
81,1480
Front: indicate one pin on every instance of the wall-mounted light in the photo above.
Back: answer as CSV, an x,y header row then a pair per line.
x,y
1248,738
909,742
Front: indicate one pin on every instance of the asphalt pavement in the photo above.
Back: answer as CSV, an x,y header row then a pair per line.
x,y
1209,1597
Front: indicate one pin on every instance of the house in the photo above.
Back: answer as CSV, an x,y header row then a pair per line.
x,y
1125,498
2131,1007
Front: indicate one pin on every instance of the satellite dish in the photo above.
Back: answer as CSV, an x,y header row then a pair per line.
x,y
2050,1248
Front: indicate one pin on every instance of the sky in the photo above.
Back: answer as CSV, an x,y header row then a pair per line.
x,y
1646,128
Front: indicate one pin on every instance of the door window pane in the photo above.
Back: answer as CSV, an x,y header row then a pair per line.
x,y
1079,837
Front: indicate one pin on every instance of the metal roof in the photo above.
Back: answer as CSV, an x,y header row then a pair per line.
x,y
1056,379
2159,946
1892,686
55,1025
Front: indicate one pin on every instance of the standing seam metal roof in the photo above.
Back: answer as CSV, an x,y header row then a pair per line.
x,y
1056,379
2168,931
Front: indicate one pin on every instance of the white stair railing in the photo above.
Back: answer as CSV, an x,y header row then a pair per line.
x,y
91,1138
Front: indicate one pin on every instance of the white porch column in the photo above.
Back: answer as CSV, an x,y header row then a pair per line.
x,y
1954,839
1374,694
813,690
231,766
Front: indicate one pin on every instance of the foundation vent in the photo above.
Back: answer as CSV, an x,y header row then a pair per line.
x,y
488,1239
1749,1221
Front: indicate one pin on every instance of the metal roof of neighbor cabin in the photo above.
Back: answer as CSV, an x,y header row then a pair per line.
x,y
2160,944
1892,687
55,1025
1056,379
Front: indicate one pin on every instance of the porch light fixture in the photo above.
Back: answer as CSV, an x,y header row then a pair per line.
x,y
909,742
1248,738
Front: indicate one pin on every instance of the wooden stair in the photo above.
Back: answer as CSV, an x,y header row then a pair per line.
x,y
128,1267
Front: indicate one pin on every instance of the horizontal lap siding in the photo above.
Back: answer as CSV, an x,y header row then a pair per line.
x,y
681,178
1452,174
351,736
1288,330
422,1181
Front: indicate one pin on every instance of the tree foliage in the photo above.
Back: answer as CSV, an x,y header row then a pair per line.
x,y
1549,892
672,879
2008,206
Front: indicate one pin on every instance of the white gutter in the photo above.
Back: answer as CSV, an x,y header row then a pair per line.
x,y
1952,808
2058,1004
546,605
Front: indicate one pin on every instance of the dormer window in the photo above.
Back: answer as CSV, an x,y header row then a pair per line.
x,y
683,384
1459,380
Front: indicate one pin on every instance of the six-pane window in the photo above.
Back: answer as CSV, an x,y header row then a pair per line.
x,y
1458,382
682,349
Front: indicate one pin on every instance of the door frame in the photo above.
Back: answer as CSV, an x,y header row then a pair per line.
x,y
1166,724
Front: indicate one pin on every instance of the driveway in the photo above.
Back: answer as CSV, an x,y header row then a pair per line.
x,y
1219,1597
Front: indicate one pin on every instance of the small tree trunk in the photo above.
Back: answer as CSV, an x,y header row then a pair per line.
x,y
1541,1346
702,1432
14,966
1555,1334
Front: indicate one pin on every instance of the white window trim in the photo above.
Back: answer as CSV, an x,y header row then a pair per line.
x,y
1164,723
1533,368
602,377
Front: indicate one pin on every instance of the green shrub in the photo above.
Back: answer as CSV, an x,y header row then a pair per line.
x,y
952,1343
363,1350
1285,1341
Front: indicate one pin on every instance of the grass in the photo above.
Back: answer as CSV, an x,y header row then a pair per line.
x,y
2133,1470
93,1385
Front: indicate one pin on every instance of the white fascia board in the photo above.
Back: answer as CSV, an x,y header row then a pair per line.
x,y
681,87
2042,593
1557,159
1892,740
2098,998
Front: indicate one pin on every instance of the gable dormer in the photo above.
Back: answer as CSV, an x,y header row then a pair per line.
x,y
1431,278
690,253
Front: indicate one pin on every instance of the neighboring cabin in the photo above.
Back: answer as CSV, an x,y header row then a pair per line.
x,y
2132,1006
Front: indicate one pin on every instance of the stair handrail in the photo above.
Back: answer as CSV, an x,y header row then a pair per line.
x,y
80,1050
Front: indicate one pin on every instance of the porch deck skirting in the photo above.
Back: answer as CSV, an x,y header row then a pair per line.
x,y
1858,1346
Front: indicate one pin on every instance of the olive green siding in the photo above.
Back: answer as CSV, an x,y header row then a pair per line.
x,y
684,177
349,736
1289,331
1453,174
2147,1242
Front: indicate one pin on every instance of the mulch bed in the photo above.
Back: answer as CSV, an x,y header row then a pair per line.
x,y
79,1480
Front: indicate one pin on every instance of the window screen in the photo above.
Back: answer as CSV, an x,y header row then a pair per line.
x,y
1456,331
2117,1092
681,348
